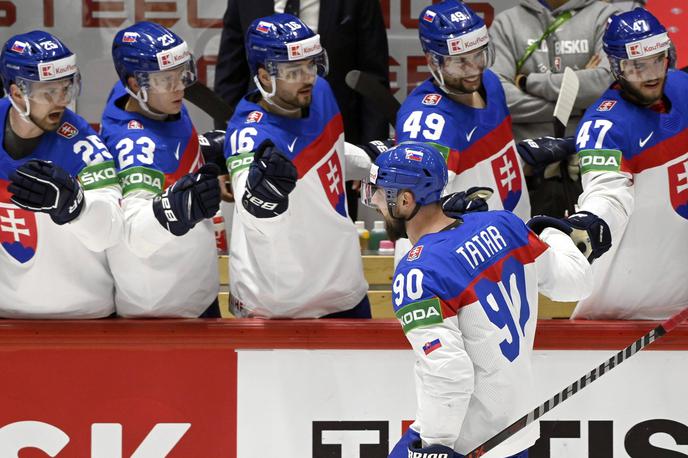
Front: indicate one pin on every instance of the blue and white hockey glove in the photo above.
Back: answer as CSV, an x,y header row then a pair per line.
x,y
213,149
474,199
416,450
376,147
42,186
192,198
543,151
271,177
590,233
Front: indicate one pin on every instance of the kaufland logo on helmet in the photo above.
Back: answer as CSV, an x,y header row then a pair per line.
x,y
468,42
648,46
18,46
173,57
304,48
57,68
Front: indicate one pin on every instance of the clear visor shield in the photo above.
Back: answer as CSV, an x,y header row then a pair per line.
x,y
644,69
301,71
172,80
57,92
466,65
377,197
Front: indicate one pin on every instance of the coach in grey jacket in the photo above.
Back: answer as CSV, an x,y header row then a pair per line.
x,y
532,92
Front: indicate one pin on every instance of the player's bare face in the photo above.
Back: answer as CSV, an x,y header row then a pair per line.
x,y
295,82
48,101
644,79
169,103
166,89
464,73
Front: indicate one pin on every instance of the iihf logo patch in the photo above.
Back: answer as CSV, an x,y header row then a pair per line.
x,y
415,253
606,105
67,130
431,99
134,125
254,116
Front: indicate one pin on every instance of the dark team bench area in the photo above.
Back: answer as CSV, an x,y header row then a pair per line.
x,y
379,271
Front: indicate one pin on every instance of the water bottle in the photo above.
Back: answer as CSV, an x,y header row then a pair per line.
x,y
377,234
363,235
386,248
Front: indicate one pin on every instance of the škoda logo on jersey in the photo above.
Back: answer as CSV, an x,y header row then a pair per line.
x,y
678,187
67,130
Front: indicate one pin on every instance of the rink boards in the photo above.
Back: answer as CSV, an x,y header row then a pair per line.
x,y
230,388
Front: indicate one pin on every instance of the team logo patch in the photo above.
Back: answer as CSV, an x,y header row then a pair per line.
x,y
606,105
254,116
413,155
431,346
263,27
678,187
130,37
67,130
429,16
431,99
330,174
18,229
508,178
18,46
415,253
134,124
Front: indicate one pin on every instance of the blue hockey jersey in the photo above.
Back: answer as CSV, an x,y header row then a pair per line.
x,y
467,300
52,271
157,273
306,262
477,143
634,165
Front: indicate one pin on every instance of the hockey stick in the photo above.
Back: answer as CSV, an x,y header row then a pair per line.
x,y
372,89
578,385
567,97
209,102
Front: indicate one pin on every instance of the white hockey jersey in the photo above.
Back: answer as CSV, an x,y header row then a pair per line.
x,y
157,273
467,300
52,271
634,165
306,262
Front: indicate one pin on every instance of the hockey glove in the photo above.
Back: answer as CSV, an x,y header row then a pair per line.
x,y
213,149
42,186
474,199
416,450
271,177
590,233
190,199
543,151
376,147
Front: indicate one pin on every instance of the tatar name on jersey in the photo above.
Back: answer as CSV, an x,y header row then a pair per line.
x,y
150,155
75,147
477,143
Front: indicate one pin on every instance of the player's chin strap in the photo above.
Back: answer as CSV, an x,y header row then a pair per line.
x,y
142,98
23,114
267,96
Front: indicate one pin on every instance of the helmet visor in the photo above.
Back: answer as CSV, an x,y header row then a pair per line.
x,y
55,92
468,64
377,197
644,69
301,71
172,80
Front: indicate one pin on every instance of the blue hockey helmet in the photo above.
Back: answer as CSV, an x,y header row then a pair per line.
x,y
410,166
282,38
635,35
30,60
456,39
158,58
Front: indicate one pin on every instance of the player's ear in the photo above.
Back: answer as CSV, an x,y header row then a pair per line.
x,y
17,95
431,62
407,200
265,80
133,84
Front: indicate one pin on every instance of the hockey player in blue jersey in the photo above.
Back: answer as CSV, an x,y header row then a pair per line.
x,y
294,252
59,195
466,297
166,264
633,148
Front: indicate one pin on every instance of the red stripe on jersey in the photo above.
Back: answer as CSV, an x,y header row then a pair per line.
x,y
525,254
318,148
191,160
484,147
659,154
